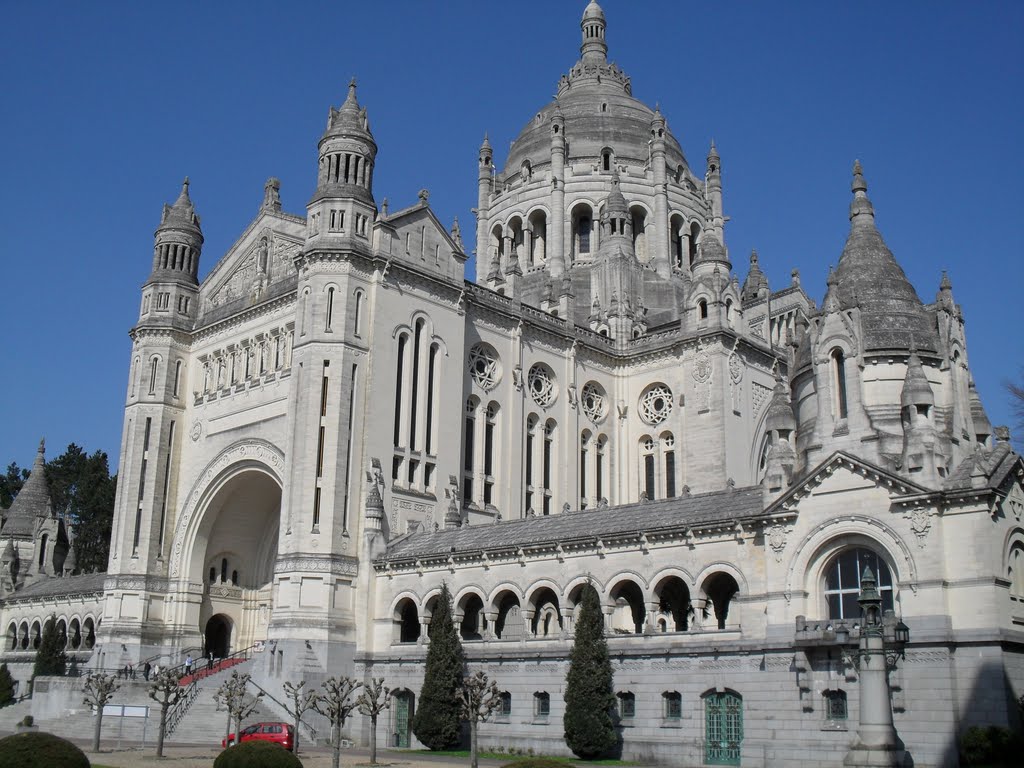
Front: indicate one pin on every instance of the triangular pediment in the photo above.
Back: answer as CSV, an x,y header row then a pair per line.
x,y
261,257
844,473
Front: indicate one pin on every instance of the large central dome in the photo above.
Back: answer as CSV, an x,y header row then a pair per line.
x,y
595,99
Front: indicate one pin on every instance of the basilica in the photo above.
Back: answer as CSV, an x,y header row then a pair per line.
x,y
335,421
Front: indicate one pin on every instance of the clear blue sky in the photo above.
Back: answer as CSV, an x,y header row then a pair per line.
x,y
106,106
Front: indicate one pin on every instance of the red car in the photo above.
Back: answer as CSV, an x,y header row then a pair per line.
x,y
278,733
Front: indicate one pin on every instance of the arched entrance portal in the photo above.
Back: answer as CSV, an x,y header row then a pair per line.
x,y
232,555
218,636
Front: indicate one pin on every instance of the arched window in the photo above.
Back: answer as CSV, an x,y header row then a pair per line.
x,y
541,705
839,382
153,363
42,551
330,310
639,221
702,310
548,464
668,456
1015,571
694,240
842,582
469,451
672,705
648,467
505,707
676,230
490,437
584,461
403,345
601,468
538,239
224,569
531,447
357,319
626,702
582,228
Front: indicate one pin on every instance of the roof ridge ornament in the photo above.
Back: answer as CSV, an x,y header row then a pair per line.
x,y
861,208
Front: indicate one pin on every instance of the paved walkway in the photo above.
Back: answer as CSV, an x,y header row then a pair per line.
x,y
203,757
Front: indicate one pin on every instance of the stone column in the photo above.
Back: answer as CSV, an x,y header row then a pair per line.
x,y
556,226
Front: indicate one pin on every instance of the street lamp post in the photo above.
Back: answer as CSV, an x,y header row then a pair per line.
x,y
877,743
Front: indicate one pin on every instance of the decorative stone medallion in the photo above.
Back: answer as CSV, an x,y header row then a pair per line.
x,y
594,401
655,404
484,366
541,382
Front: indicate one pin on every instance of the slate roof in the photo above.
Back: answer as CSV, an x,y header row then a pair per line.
x,y
32,501
985,469
65,585
681,512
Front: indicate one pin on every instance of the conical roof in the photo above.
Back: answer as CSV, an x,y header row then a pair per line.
x,y
916,389
616,202
979,419
780,410
350,119
182,215
869,278
32,501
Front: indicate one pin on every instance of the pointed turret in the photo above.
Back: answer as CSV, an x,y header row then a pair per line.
x,y
713,190
179,242
919,435
781,426
617,278
32,502
755,287
979,419
271,195
347,153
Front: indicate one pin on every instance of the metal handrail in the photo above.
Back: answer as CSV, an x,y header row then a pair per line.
x,y
282,705
181,706
245,654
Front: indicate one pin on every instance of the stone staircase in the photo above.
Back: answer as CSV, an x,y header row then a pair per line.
x,y
12,714
205,722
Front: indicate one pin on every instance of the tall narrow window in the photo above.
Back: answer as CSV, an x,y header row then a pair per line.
x,y
399,384
432,375
839,379
668,444
166,489
584,454
42,551
531,442
602,450
649,476
330,309
549,457
414,399
694,239
321,439
585,226
142,486
357,320
348,451
489,429
469,449
177,377
152,375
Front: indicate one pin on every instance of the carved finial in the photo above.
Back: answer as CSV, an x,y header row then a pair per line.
x,y
457,233
424,195
42,446
384,208
272,194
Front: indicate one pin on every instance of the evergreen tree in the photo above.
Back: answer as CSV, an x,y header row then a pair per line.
x,y
589,696
50,658
6,686
438,721
82,490
11,482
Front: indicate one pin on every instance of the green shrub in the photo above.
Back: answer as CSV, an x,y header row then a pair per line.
x,y
256,754
6,686
27,721
438,721
40,750
990,746
538,762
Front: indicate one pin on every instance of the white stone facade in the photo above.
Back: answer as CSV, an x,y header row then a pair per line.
x,y
334,422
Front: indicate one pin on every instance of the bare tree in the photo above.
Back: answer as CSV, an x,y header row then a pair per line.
x,y
165,690
240,704
336,704
1016,392
301,702
375,698
99,689
478,698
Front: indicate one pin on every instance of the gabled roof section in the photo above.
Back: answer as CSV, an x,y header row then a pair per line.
x,y
803,487
985,469
85,583
681,513
407,215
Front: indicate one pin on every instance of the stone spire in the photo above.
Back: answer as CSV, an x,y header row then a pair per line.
x,y
347,151
781,458
272,195
32,502
919,434
979,419
868,278
756,285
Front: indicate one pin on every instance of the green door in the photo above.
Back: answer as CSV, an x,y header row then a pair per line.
x,y
402,720
723,728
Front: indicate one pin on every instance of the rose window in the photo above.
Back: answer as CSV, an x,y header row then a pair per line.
x,y
594,402
656,404
484,366
541,382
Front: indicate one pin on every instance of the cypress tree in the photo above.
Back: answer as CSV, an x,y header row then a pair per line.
x,y
589,697
50,658
437,722
6,686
